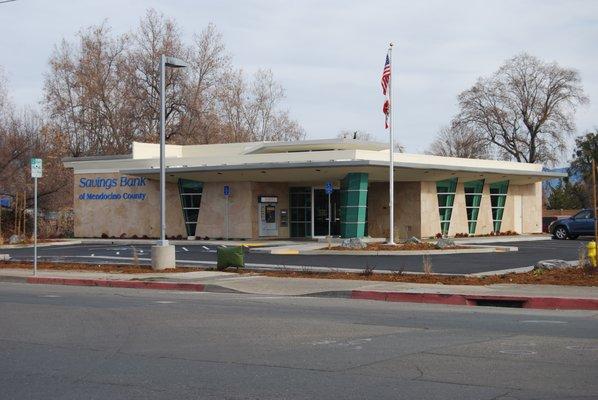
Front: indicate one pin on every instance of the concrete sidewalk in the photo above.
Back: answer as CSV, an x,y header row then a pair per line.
x,y
531,296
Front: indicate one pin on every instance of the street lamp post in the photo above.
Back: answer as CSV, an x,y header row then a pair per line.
x,y
163,254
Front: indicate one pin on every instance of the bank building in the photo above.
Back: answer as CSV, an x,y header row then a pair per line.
x,y
294,189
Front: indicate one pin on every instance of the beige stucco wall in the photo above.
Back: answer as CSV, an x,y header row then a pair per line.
x,y
212,221
129,217
430,224
532,207
484,225
243,209
459,213
378,209
406,207
530,212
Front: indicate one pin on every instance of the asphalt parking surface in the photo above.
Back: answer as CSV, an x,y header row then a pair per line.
x,y
529,253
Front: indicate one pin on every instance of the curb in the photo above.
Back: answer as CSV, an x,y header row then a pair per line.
x,y
190,287
546,303
42,244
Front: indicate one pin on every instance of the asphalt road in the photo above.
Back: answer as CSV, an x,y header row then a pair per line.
x,y
529,253
59,342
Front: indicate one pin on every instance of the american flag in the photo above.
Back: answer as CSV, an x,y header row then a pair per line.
x,y
385,75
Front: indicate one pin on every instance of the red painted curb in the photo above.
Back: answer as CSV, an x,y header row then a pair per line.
x,y
190,287
548,303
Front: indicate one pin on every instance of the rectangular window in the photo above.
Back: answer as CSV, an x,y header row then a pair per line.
x,y
498,197
300,211
190,193
445,190
473,198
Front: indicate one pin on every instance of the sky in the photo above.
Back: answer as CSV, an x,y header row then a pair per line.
x,y
329,55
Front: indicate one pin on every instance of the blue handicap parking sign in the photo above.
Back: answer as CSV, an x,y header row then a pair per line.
x,y
328,187
226,190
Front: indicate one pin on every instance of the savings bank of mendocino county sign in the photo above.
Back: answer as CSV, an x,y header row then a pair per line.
x,y
110,183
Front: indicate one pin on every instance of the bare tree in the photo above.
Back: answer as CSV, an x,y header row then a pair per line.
x,y
250,112
526,109
85,95
102,92
458,140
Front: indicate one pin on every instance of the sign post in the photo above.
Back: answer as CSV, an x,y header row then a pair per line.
x,y
226,195
329,188
36,172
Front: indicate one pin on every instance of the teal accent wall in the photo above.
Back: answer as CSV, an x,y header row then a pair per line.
x,y
354,194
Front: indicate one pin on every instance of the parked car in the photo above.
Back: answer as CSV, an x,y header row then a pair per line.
x,y
580,224
546,222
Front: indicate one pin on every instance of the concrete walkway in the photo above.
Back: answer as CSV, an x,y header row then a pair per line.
x,y
543,296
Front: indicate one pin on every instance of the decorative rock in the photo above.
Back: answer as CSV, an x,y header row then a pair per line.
x,y
551,264
413,240
354,243
16,239
445,243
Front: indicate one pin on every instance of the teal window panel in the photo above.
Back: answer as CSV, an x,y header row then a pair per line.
x,y
190,192
473,198
498,198
445,190
300,211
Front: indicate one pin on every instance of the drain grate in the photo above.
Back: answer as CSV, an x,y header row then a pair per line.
x,y
498,303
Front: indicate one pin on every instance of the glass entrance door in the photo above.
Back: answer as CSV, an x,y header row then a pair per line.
x,y
321,213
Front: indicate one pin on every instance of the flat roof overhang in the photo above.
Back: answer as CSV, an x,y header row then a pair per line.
x,y
335,170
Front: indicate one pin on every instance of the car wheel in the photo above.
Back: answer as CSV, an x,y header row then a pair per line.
x,y
560,233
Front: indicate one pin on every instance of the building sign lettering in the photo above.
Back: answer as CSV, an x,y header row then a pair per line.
x,y
109,183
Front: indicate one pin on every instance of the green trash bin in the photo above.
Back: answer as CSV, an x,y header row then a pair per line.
x,y
230,257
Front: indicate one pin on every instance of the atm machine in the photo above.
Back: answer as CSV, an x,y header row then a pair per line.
x,y
268,226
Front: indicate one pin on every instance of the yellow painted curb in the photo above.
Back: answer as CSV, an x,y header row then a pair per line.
x,y
285,251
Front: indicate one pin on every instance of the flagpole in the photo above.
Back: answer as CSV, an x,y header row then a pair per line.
x,y
391,183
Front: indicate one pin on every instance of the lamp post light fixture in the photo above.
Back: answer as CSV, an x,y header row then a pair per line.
x,y
163,254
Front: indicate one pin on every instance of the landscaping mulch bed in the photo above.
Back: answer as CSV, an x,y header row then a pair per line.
x,y
568,276
397,247
107,268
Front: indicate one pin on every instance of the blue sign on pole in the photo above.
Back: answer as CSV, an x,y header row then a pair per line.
x,y
226,190
328,187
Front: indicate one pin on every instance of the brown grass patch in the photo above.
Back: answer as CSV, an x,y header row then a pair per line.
x,y
106,268
568,277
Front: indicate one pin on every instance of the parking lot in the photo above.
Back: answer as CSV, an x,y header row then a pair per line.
x,y
197,254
